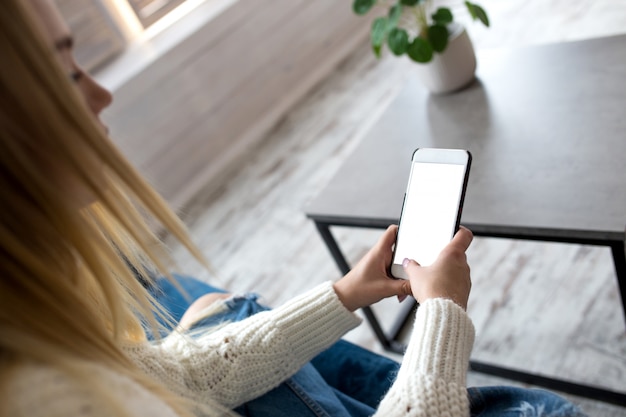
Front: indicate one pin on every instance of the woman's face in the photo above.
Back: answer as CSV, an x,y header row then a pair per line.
x,y
97,97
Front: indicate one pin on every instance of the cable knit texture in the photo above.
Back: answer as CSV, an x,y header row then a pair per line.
x,y
244,360
431,380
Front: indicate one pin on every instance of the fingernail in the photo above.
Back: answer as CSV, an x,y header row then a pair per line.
x,y
405,262
401,298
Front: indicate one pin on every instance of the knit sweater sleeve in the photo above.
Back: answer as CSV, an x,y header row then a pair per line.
x,y
246,359
431,380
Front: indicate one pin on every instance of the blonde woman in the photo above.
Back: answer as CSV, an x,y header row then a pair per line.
x,y
74,232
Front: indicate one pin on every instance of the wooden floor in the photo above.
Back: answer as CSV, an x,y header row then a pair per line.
x,y
547,308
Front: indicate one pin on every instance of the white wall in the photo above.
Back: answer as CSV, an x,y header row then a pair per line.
x,y
190,116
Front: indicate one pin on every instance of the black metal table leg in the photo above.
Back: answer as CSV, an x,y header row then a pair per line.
x,y
619,259
333,247
586,391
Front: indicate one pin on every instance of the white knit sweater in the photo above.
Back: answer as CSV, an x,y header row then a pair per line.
x,y
244,360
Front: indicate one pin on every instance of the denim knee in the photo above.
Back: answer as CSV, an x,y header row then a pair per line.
x,y
176,303
235,308
519,402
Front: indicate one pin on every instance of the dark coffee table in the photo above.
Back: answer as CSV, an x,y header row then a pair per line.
x,y
547,129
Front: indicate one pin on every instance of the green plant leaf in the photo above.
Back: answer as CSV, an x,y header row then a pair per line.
x,y
482,15
410,2
394,15
477,12
443,16
438,37
420,50
398,40
378,34
361,7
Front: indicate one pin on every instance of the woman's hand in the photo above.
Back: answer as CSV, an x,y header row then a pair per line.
x,y
448,277
369,282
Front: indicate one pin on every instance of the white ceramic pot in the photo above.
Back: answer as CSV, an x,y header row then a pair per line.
x,y
454,68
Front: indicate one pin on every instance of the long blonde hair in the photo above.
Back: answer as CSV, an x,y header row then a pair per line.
x,y
68,292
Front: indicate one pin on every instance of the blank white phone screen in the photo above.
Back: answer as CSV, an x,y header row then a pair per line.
x,y
430,211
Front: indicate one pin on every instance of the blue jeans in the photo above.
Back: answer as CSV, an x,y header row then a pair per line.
x,y
347,380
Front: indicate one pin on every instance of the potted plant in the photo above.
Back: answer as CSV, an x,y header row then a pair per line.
x,y
428,36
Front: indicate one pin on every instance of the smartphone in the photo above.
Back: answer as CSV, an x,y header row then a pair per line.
x,y
431,211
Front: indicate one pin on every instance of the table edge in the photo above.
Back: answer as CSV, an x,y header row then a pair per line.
x,y
586,237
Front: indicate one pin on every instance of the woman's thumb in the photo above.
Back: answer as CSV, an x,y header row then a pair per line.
x,y
409,264
404,289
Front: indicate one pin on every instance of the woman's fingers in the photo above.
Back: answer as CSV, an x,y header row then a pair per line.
x,y
462,239
404,290
388,238
448,277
